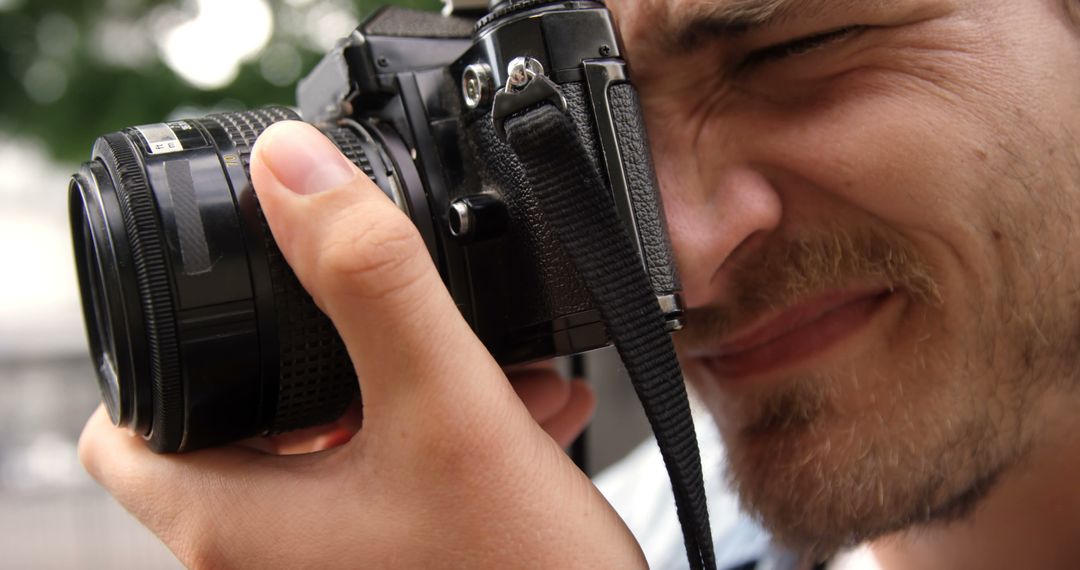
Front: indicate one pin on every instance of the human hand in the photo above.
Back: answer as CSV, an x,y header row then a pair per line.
x,y
449,469
562,408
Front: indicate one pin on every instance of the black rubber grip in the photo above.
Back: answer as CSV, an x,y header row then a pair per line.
x,y
644,189
317,381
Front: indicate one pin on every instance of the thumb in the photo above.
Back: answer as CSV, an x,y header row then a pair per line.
x,y
366,266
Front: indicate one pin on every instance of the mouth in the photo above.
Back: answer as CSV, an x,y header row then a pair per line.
x,y
794,335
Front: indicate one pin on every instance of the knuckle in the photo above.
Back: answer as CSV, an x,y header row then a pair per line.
x,y
370,253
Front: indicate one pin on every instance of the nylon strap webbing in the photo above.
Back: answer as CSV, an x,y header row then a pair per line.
x,y
581,212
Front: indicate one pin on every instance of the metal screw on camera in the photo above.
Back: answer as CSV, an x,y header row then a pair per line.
x,y
461,219
477,218
521,71
476,85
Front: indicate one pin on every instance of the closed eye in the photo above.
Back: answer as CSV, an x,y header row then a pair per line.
x,y
801,46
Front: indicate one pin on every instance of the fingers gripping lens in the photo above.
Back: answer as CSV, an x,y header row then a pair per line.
x,y
200,332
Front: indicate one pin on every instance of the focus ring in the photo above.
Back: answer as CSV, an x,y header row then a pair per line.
x,y
316,380
350,146
155,294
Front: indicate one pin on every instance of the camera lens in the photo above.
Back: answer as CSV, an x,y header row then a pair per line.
x,y
199,331
95,302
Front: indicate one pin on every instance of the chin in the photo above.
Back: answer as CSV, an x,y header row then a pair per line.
x,y
831,460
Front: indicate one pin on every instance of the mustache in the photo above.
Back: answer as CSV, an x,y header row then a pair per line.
x,y
792,269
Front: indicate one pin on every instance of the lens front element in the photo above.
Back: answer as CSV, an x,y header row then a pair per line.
x,y
95,302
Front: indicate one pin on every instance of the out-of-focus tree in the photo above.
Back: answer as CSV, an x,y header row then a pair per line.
x,y
73,69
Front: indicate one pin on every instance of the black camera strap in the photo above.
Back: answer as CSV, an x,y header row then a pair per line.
x,y
581,212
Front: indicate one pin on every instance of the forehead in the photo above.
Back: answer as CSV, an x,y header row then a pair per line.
x,y
664,20
736,9
652,27
669,8
663,13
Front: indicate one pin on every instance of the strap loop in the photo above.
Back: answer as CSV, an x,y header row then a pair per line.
x,y
526,87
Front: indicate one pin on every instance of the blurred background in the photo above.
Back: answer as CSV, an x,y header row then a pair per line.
x,y
71,70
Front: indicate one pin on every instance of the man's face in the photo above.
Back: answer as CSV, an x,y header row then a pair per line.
x,y
872,205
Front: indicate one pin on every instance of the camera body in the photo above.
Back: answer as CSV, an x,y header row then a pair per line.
x,y
430,81
199,331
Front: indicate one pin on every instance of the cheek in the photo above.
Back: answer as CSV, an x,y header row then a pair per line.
x,y
902,158
905,162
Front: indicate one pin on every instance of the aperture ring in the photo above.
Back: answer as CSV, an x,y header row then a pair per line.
x,y
316,378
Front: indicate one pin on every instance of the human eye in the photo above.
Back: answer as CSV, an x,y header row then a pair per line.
x,y
799,47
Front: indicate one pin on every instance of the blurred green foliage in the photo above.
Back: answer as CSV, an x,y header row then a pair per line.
x,y
99,96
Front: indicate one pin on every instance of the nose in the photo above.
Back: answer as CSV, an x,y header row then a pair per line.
x,y
709,225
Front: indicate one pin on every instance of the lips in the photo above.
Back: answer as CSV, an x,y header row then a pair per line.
x,y
795,334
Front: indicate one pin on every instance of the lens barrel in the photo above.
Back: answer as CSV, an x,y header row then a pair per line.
x,y
199,331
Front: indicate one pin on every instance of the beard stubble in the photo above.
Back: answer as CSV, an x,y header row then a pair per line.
x,y
833,458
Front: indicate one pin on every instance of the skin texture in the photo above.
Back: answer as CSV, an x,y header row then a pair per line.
x,y
932,155
927,159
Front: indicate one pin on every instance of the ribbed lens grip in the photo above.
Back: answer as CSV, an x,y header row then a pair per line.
x,y
317,381
158,306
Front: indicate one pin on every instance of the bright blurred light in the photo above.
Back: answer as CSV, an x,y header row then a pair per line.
x,y
123,43
281,64
39,294
6,5
45,81
207,50
57,35
328,22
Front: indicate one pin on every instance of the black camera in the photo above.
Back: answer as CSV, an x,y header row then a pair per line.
x,y
199,330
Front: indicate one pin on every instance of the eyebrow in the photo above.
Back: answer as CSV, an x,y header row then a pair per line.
x,y
686,30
